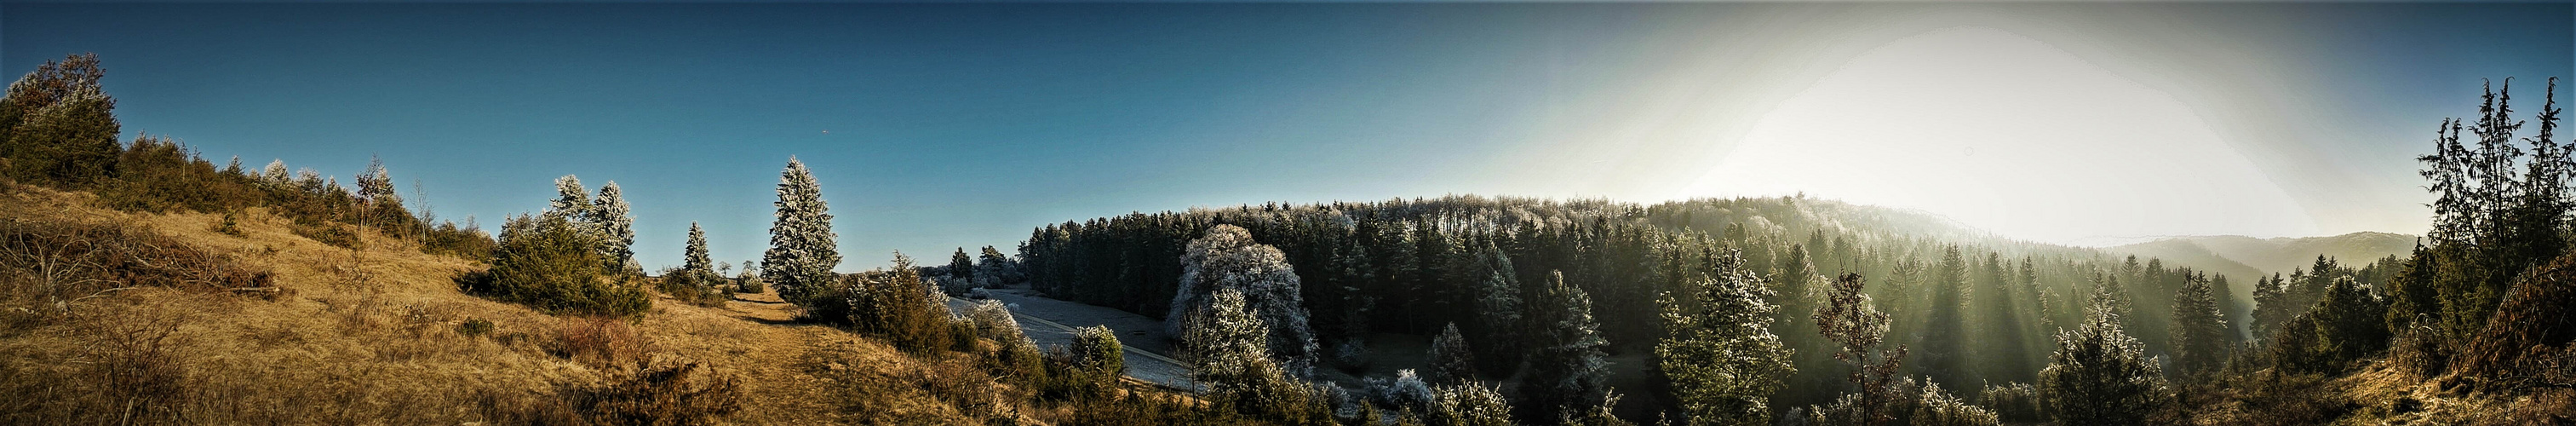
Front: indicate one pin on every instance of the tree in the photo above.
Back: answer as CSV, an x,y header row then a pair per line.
x,y
1848,319
1566,370
992,269
1227,348
2099,375
2200,331
696,260
1469,404
1498,307
1096,349
550,265
1719,353
1227,258
1945,354
961,268
616,225
802,248
1451,359
57,126
572,204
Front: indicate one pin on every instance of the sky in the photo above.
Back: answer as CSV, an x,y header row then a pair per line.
x,y
939,126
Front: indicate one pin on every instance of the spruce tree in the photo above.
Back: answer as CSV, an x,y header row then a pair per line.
x,y
992,269
572,203
2200,340
1719,353
1945,351
1567,373
802,248
961,268
2101,376
1498,308
1452,361
696,262
616,224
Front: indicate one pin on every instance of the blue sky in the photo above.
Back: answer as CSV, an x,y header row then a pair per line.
x,y
938,126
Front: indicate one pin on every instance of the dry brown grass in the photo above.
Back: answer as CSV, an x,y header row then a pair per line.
x,y
371,336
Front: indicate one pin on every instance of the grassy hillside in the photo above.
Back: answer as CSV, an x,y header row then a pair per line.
x,y
381,335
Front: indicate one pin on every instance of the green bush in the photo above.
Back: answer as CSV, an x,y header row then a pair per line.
x,y
554,267
695,288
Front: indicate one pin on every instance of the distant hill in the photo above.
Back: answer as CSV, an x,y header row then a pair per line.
x,y
2244,258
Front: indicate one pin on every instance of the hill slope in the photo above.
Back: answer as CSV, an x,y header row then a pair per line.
x,y
2264,256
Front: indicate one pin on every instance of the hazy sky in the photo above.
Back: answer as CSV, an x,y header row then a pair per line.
x,y
938,126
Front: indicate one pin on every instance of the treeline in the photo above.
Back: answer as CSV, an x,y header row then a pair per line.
x,y
1975,309
59,130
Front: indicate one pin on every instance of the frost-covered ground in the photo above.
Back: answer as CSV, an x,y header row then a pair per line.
x,y
1050,323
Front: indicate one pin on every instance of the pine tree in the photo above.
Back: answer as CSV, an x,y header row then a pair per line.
x,y
616,225
572,204
1498,308
2200,333
1720,355
58,126
276,173
696,261
2101,376
1945,353
1567,373
802,248
1226,346
1452,361
992,269
961,268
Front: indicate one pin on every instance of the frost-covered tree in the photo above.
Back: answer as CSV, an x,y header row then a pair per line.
x,y
696,260
1567,373
1451,359
2099,375
1719,353
616,225
1468,404
802,248
572,202
276,173
1227,347
57,125
2200,332
1498,306
1228,259
1096,349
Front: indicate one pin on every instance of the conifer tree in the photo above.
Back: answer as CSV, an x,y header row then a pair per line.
x,y
1452,361
2200,340
616,224
57,125
993,269
2099,375
1498,308
960,267
572,203
802,248
1227,347
1719,353
1566,370
276,173
696,261
1945,356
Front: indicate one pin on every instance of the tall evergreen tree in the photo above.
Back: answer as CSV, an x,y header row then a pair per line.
x,y
1452,361
2101,376
802,248
1945,351
2200,332
616,224
1848,320
961,268
1498,309
572,204
57,126
696,260
1720,355
1567,373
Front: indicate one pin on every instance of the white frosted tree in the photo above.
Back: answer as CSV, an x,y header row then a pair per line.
x,y
2099,375
696,261
1228,259
1723,361
276,173
615,222
802,248
572,202
1227,352
376,186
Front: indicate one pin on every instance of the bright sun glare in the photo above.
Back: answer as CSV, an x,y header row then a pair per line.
x,y
2011,135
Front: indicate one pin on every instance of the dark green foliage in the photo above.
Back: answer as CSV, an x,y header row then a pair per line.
x,y
1721,358
1452,361
1944,346
892,303
2497,215
2014,402
2101,376
57,127
554,267
1566,370
1096,349
2200,334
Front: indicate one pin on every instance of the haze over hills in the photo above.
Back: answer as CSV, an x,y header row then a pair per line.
x,y
2249,257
